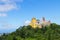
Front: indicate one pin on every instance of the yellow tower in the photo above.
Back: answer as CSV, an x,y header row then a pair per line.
x,y
33,23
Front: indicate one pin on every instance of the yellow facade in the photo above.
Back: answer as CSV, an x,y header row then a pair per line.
x,y
36,23
33,23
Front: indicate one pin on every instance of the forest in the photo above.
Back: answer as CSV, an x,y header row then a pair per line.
x,y
51,32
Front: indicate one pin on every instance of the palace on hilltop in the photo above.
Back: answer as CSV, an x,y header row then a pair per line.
x,y
37,23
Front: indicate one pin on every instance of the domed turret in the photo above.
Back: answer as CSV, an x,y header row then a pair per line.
x,y
33,23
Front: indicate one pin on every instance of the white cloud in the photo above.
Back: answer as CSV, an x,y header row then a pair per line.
x,y
8,26
3,14
18,0
27,22
7,5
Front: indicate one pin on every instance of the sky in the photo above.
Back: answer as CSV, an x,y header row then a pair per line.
x,y
14,13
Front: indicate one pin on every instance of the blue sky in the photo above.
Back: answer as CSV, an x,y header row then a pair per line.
x,y
13,13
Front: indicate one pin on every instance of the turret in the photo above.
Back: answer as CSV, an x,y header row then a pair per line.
x,y
33,23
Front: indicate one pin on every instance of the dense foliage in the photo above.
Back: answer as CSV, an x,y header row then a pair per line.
x,y
51,32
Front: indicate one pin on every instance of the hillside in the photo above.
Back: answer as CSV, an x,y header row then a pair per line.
x,y
51,32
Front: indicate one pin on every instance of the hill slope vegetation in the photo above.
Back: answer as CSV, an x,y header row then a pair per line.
x,y
51,32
